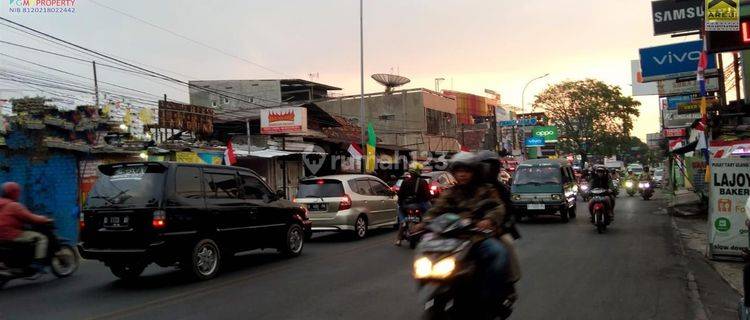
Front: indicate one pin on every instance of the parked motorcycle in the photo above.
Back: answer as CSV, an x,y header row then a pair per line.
x,y
630,187
584,191
449,287
409,226
598,209
16,258
646,189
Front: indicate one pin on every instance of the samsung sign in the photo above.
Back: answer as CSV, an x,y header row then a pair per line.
x,y
673,61
670,16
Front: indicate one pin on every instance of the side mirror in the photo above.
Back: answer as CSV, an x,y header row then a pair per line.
x,y
280,194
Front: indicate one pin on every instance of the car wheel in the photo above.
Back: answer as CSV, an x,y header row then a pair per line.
x,y
294,240
205,258
564,215
127,271
360,228
64,262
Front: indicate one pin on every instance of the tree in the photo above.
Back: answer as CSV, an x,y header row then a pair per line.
x,y
591,116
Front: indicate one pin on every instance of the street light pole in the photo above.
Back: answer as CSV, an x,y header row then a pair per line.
x,y
363,122
523,110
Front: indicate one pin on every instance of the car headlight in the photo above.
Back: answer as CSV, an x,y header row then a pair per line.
x,y
556,196
423,268
516,197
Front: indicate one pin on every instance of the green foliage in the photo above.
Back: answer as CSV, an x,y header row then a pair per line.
x,y
592,116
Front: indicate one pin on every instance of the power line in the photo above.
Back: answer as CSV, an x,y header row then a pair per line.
x,y
188,39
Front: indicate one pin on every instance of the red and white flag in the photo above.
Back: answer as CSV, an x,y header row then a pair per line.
x,y
355,151
229,157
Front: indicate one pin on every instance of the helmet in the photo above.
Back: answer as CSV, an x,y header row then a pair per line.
x,y
489,164
11,190
645,168
600,168
463,160
416,167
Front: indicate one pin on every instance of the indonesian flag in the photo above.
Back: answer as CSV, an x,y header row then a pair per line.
x,y
700,77
355,151
229,157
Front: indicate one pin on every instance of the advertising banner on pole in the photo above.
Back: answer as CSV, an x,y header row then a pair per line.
x,y
722,15
671,16
549,133
641,88
674,87
672,61
728,192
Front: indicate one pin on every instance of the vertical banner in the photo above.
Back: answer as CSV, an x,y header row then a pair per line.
x,y
729,189
371,143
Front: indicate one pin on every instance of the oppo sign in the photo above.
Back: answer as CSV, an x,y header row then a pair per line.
x,y
549,133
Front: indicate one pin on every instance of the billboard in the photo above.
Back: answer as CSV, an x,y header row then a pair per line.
x,y
725,41
283,120
695,106
641,88
534,142
672,118
549,133
673,61
674,133
722,15
673,102
670,16
728,192
674,87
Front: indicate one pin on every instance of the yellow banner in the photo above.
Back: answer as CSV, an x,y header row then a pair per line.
x,y
370,165
188,157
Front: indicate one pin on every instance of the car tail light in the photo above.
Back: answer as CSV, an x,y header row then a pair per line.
x,y
346,202
294,199
81,222
160,219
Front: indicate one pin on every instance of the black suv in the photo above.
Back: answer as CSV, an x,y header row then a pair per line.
x,y
188,215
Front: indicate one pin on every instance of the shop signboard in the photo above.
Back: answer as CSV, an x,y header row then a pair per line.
x,y
673,61
283,120
639,87
674,133
728,192
672,102
671,16
549,133
674,87
519,122
672,119
695,106
725,41
534,142
722,15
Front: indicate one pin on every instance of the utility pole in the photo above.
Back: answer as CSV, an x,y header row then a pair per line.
x,y
494,129
737,76
362,120
96,86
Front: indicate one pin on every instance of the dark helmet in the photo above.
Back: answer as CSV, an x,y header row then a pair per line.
x,y
489,163
463,160
11,190
600,169
645,168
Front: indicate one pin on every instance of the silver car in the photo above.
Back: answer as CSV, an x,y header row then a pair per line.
x,y
351,203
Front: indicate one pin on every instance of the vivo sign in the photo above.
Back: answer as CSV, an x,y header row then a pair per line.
x,y
673,61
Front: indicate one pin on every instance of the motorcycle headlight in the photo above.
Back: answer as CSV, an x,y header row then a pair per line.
x,y
575,188
646,185
444,268
422,268
629,184
516,197
556,197
584,187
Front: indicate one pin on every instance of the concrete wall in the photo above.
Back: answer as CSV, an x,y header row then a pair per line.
x,y
268,93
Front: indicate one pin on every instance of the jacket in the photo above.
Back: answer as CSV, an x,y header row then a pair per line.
x,y
13,216
462,200
410,192
600,182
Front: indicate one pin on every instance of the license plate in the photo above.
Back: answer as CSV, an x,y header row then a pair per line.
x,y
414,219
318,207
440,245
116,222
535,206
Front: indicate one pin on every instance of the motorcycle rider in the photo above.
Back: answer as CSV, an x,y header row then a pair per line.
x,y
601,180
491,255
632,176
646,175
414,190
13,216
490,169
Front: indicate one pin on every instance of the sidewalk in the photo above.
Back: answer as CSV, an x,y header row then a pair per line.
x,y
691,220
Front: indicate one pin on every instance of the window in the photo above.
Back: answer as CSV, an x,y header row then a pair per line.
x,y
379,188
213,103
361,187
537,175
188,182
320,188
254,189
440,123
221,186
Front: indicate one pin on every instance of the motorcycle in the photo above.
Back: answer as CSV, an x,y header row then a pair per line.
x,y
598,209
16,258
409,226
630,187
646,189
616,189
584,191
449,285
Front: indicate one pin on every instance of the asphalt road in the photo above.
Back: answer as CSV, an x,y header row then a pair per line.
x,y
637,270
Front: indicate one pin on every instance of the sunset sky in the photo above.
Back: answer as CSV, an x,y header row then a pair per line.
x,y
473,44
